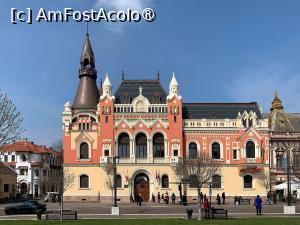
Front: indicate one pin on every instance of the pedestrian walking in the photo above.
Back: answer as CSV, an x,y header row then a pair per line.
x,y
173,197
201,197
269,201
258,205
223,197
206,208
140,199
158,197
163,197
167,198
218,199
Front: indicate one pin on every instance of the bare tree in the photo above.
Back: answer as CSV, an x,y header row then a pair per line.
x,y
109,183
264,179
57,145
10,121
68,179
197,172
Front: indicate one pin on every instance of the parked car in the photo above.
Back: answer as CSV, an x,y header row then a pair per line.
x,y
28,207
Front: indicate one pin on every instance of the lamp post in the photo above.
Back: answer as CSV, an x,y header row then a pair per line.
x,y
289,176
115,179
210,194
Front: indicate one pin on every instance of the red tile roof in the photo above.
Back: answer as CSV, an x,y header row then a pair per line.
x,y
27,146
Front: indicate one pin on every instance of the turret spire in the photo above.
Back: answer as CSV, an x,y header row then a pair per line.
x,y
173,88
106,88
87,58
276,103
87,95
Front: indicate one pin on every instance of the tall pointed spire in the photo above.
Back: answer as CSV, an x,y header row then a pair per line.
x,y
87,95
87,55
276,103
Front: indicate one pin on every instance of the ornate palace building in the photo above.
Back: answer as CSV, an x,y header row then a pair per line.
x,y
150,129
284,143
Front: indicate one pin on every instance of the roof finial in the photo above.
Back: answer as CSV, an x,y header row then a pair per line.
x,y
87,28
123,75
158,75
141,90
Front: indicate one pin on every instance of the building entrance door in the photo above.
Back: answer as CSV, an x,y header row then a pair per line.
x,y
141,186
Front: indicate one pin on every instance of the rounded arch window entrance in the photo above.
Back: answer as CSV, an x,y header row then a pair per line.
x,y
141,146
141,187
123,145
250,150
158,146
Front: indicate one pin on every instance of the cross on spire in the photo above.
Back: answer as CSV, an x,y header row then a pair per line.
x,y
141,90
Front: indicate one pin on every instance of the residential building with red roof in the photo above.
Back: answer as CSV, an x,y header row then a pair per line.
x,y
38,167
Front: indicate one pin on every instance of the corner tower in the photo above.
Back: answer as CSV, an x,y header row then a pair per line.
x,y
87,95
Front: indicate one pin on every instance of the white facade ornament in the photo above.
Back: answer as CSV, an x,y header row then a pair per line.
x,y
173,88
140,103
107,89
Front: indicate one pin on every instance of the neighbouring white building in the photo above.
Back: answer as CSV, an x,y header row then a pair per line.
x,y
38,168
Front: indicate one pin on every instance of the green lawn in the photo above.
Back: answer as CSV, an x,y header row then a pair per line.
x,y
245,221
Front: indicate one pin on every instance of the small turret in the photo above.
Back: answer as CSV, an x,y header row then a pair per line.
x,y
173,88
106,88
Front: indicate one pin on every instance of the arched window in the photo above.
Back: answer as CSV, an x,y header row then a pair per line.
x,y
215,151
216,181
165,181
192,150
141,146
84,151
158,146
247,181
193,180
84,181
119,181
250,149
123,146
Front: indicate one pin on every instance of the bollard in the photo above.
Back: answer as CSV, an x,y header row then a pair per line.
x,y
39,214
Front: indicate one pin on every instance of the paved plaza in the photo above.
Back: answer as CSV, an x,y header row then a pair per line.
x,y
97,210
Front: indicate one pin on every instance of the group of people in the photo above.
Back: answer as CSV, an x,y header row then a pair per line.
x,y
218,199
165,198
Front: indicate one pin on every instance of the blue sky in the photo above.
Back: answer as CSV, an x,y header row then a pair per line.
x,y
221,51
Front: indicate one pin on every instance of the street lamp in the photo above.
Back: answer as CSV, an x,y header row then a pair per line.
x,y
115,179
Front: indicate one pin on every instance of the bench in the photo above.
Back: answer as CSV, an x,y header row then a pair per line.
x,y
67,215
245,201
215,211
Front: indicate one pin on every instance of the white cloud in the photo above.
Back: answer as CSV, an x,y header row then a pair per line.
x,y
260,84
138,5
117,5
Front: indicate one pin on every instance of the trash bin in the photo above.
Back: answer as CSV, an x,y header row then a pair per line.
x,y
189,212
39,214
